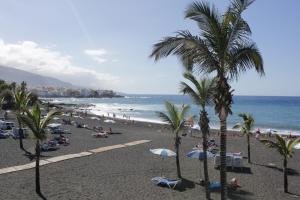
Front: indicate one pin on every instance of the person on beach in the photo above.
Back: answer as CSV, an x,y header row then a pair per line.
x,y
234,184
257,133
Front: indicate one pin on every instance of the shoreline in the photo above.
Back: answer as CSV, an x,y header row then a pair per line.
x,y
81,107
87,107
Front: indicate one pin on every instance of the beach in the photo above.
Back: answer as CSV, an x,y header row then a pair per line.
x,y
125,173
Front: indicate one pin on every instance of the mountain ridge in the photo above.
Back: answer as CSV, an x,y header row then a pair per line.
x,y
33,80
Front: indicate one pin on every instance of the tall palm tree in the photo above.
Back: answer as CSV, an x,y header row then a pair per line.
x,y
223,48
246,127
176,119
201,92
33,120
285,149
21,99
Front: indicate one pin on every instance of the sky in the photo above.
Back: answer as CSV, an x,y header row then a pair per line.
x,y
106,43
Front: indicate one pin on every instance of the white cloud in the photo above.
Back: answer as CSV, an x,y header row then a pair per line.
x,y
30,56
99,55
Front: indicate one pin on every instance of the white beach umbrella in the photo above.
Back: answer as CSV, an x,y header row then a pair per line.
x,y
163,153
109,121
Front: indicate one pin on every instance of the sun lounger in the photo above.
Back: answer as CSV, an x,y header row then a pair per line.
x,y
100,135
171,183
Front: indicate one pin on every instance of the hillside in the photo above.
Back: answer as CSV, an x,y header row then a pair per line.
x,y
33,80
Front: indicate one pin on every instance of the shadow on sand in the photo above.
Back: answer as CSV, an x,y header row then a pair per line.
x,y
242,170
42,196
294,194
185,184
239,194
290,172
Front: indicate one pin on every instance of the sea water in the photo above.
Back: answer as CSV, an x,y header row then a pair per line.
x,y
272,112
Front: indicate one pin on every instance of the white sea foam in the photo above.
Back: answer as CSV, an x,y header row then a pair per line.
x,y
140,110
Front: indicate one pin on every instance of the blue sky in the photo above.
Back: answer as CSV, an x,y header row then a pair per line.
x,y
106,43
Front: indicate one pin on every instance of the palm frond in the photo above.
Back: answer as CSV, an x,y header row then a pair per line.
x,y
27,120
184,112
191,50
202,93
291,144
269,143
186,89
206,16
237,126
165,118
45,122
244,57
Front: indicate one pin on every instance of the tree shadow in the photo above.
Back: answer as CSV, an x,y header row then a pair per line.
x,y
32,157
238,194
290,171
117,133
42,196
242,170
294,194
184,185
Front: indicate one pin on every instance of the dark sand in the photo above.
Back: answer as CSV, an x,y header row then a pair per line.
x,y
126,173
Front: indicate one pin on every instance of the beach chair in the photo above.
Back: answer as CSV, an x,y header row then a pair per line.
x,y
100,135
171,183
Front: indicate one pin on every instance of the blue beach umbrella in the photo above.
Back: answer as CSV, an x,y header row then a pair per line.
x,y
199,154
163,153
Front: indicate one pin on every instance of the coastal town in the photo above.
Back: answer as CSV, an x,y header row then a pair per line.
x,y
74,92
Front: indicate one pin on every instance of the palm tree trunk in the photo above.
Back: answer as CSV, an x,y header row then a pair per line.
x,y
177,156
248,143
204,125
223,166
37,169
21,136
285,177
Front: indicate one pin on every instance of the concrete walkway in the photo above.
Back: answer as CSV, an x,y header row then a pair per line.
x,y
69,156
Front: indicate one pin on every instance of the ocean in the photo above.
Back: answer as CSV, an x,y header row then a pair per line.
x,y
277,113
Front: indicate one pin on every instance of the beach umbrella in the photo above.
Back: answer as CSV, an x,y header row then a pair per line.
x,y
199,154
163,153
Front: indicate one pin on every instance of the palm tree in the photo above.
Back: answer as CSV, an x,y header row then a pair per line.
x,y
21,99
201,93
176,119
246,128
285,149
33,120
224,49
